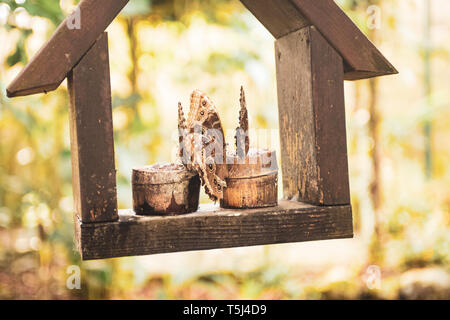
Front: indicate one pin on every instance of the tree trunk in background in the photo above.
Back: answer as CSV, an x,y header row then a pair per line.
x,y
375,248
356,201
427,127
373,134
131,22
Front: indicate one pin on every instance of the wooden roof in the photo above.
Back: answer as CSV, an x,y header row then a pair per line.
x,y
66,47
281,17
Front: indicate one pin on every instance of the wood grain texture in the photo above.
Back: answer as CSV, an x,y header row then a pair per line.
x,y
258,162
61,53
91,132
252,181
166,189
362,59
212,228
254,192
280,17
312,119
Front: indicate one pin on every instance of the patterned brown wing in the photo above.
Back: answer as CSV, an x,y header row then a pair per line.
x,y
183,153
242,135
207,144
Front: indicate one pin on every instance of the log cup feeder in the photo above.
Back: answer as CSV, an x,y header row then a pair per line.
x,y
252,182
165,189
317,47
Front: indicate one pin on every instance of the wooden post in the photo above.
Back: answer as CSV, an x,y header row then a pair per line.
x,y
310,75
91,133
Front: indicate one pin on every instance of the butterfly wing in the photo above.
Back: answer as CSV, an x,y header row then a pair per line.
x,y
207,144
183,151
242,134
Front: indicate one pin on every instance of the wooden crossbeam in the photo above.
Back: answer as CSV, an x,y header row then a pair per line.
x,y
212,228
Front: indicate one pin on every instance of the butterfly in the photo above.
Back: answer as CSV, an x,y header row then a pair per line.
x,y
202,143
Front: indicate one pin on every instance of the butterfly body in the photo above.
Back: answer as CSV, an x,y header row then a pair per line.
x,y
204,144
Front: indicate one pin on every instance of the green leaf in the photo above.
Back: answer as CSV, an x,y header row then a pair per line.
x,y
19,55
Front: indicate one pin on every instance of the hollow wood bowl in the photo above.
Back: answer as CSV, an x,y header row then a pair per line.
x,y
252,181
165,189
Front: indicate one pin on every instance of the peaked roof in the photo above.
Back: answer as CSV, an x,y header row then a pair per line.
x,y
362,59
50,66
66,47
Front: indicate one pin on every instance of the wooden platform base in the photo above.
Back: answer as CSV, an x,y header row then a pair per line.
x,y
212,227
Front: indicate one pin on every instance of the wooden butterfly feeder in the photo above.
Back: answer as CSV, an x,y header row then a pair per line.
x,y
317,47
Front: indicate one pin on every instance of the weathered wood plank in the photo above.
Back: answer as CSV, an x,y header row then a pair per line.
x,y
61,53
312,119
362,58
212,228
280,17
91,132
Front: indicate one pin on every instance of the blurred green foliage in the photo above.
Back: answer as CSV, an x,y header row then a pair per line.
x,y
162,50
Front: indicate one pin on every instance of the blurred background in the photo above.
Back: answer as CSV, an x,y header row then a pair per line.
x,y
398,143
